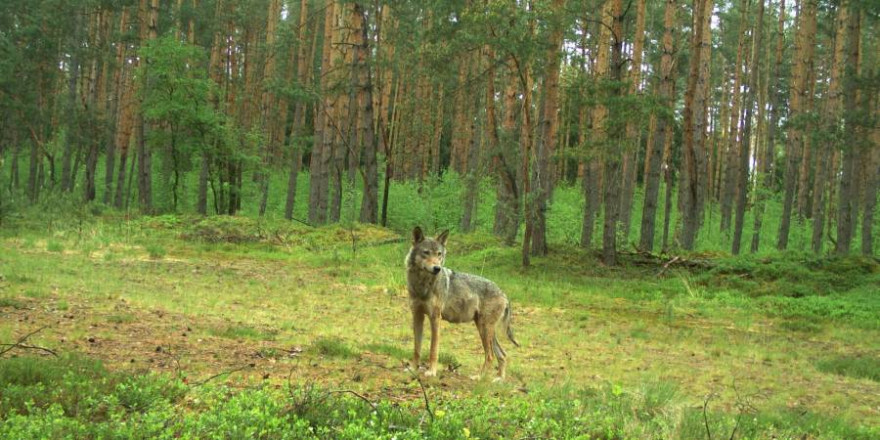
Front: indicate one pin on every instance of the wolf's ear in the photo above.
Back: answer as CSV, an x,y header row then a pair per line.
x,y
418,235
443,236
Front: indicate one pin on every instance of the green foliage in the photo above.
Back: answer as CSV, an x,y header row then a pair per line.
x,y
242,331
863,367
333,347
75,397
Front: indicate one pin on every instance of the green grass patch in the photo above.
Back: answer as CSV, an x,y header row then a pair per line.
x,y
121,318
54,246
858,367
11,302
333,347
241,331
393,351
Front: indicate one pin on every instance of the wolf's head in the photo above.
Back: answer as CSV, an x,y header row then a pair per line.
x,y
427,253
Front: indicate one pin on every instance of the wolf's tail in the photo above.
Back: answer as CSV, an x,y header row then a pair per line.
x,y
507,317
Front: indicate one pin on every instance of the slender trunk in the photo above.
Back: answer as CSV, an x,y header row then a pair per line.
x,y
633,128
693,176
799,88
743,175
662,130
369,202
66,178
545,144
507,217
849,182
765,172
831,117
871,187
319,168
735,141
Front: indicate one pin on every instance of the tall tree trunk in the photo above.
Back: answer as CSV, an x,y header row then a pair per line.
x,y
765,171
269,105
633,127
322,152
731,174
149,17
545,144
742,181
803,59
849,190
370,201
611,193
67,179
831,116
662,130
871,188
303,58
692,191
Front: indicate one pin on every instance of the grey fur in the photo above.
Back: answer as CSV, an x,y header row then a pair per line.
x,y
438,292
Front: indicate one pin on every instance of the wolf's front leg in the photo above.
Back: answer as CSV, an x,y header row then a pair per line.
x,y
418,328
435,344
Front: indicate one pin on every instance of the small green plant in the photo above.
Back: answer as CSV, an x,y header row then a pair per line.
x,y
241,331
155,251
333,347
54,246
11,302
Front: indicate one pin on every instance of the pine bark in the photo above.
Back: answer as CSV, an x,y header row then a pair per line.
x,y
731,171
633,126
662,129
545,144
849,182
322,151
799,88
693,186
831,116
766,164
742,178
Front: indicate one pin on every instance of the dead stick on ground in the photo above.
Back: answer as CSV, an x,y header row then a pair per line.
x,y
202,382
18,344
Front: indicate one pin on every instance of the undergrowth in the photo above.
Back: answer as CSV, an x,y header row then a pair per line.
x,y
74,397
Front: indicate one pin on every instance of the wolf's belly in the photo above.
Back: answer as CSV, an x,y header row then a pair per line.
x,y
460,310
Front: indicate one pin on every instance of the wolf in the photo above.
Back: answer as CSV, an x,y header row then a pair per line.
x,y
438,292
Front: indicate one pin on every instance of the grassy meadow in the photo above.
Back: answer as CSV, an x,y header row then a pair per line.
x,y
239,327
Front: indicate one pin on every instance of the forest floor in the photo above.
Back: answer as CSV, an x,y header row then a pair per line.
x,y
329,307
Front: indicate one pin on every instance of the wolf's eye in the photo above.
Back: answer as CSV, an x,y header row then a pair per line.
x,y
426,252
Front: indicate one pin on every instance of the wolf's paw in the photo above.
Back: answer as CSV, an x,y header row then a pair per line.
x,y
431,373
498,379
477,377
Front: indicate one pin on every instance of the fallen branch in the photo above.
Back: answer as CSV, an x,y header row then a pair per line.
x,y
223,373
361,396
20,344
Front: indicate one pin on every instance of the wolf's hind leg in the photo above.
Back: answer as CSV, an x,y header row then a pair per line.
x,y
502,357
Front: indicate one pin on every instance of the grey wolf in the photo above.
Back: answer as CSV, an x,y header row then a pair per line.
x,y
438,292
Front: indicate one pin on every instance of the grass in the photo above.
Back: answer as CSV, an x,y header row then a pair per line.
x,y
274,308
865,367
